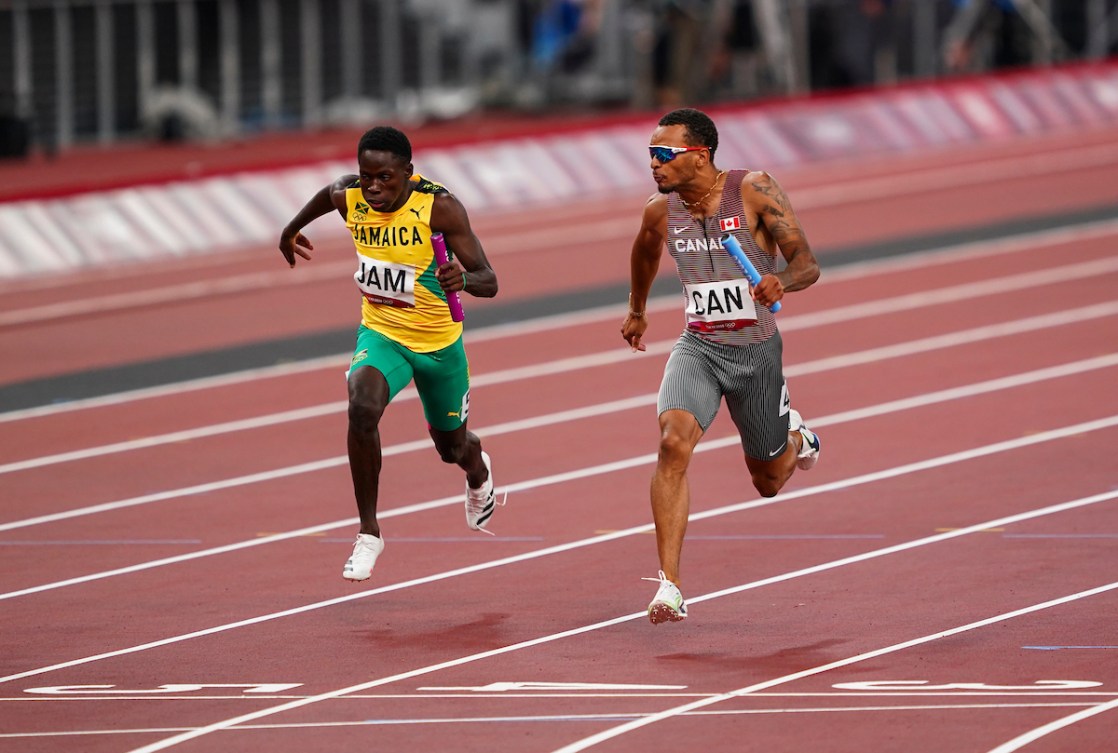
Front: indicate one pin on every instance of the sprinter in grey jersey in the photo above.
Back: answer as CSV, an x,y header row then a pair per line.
x,y
730,348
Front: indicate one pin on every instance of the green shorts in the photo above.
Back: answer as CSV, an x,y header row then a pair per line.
x,y
442,377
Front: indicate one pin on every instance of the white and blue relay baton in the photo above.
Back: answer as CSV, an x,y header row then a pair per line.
x,y
730,243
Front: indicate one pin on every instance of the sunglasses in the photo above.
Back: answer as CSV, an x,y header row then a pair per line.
x,y
662,153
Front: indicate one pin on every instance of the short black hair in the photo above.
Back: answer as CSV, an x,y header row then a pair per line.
x,y
700,128
385,139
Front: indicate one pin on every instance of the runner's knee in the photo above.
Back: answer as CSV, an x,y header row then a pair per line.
x,y
368,397
674,449
365,407
363,417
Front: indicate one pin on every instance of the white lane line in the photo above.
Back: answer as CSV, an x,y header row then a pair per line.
x,y
1012,244
212,430
844,314
599,717
273,280
963,291
592,740
959,338
176,388
1090,699
867,478
885,186
966,251
1033,735
872,355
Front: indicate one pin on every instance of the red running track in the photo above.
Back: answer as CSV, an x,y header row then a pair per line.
x,y
943,580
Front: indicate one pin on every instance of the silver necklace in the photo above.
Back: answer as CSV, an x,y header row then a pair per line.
x,y
691,205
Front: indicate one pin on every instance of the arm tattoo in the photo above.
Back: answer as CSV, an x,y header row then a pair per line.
x,y
775,198
776,209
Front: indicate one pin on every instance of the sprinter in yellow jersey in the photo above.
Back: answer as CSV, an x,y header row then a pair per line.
x,y
406,330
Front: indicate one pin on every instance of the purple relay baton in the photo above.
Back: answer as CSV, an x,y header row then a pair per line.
x,y
452,300
730,243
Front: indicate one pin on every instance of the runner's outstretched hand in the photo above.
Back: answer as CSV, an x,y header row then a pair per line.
x,y
297,244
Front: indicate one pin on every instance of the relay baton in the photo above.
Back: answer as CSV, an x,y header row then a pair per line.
x,y
452,299
730,243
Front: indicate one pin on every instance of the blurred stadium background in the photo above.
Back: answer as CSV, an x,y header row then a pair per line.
x,y
78,72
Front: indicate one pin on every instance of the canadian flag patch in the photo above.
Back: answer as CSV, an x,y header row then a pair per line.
x,y
729,223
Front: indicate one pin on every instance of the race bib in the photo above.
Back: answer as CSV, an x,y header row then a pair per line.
x,y
720,306
385,283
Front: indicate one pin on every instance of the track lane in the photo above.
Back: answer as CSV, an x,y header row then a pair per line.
x,y
402,624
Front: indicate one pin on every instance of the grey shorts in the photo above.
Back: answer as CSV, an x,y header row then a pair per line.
x,y
699,374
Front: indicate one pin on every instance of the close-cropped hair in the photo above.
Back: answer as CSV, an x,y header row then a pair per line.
x,y
701,130
385,139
